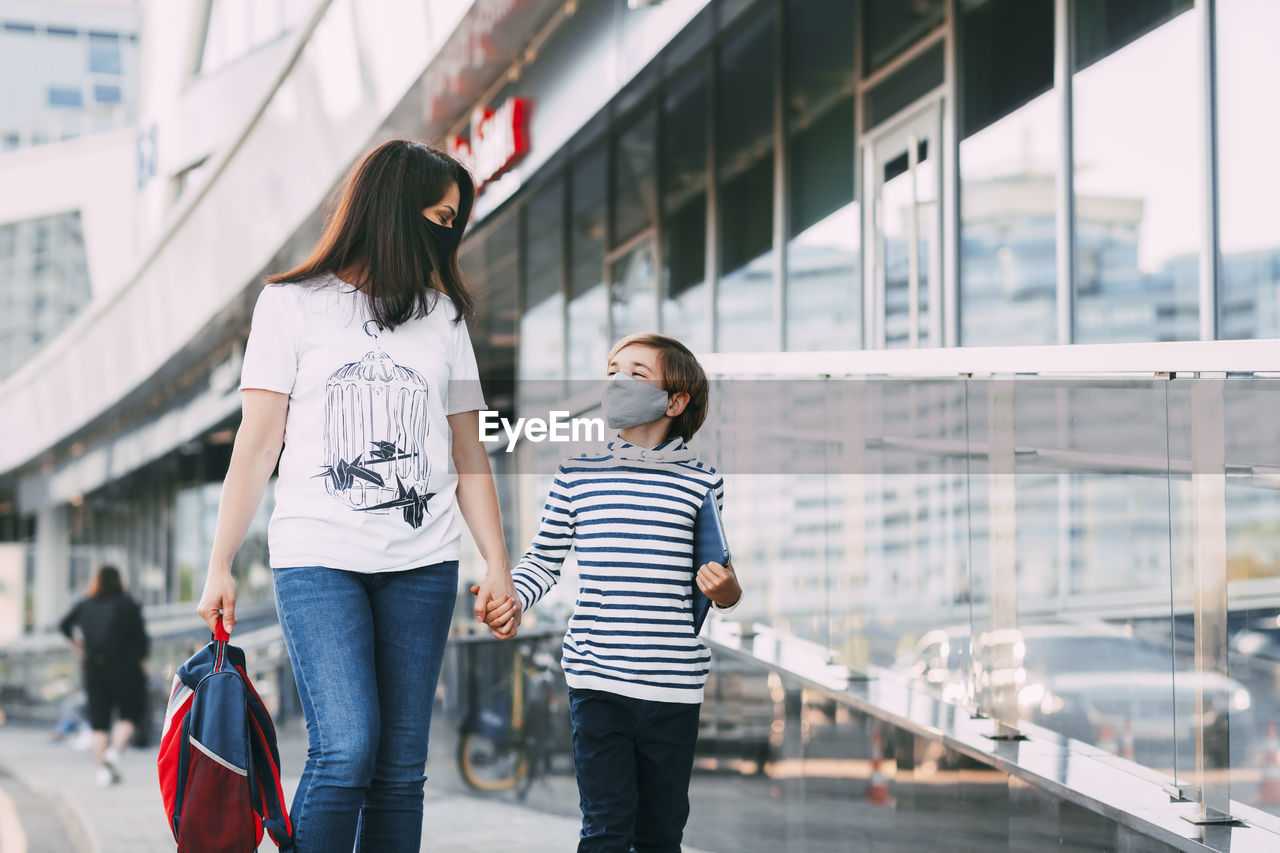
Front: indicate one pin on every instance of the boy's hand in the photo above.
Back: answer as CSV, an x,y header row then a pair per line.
x,y
502,615
719,583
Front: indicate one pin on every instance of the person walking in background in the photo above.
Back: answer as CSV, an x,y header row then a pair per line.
x,y
359,363
634,665
107,629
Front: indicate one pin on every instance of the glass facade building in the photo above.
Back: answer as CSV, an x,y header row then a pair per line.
x,y
849,177
966,183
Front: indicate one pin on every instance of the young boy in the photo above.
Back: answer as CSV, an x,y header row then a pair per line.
x,y
634,666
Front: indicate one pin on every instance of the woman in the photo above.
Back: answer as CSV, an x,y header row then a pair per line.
x,y
113,645
360,363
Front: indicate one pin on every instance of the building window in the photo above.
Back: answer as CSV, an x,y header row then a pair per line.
x,y
107,94
63,96
906,85
1137,170
44,280
1248,177
634,188
1009,153
588,305
633,301
542,332
891,26
104,53
744,135
823,298
685,306
633,306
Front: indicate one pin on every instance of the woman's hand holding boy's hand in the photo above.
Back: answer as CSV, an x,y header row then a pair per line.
x,y
501,615
719,583
492,593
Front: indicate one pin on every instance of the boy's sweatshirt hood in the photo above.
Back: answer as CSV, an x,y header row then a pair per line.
x,y
671,450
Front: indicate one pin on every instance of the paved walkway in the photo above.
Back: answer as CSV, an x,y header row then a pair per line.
x,y
49,804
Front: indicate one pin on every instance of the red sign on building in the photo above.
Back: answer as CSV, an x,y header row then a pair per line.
x,y
498,139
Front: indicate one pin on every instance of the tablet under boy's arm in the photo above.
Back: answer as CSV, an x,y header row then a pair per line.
x,y
719,492
539,569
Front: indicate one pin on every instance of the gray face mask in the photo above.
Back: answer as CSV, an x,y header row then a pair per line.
x,y
628,402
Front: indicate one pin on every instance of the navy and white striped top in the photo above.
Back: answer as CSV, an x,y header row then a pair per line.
x,y
628,513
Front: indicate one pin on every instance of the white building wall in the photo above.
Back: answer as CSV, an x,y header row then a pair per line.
x,y
92,174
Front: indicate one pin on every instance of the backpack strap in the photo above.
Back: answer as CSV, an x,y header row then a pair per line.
x,y
268,793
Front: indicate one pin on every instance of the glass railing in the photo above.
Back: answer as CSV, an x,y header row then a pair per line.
x,y
1091,552
1089,547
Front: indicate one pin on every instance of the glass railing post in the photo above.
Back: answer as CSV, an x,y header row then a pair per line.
x,y
1208,482
1000,659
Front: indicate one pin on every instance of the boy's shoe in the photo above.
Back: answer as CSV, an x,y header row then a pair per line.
x,y
104,777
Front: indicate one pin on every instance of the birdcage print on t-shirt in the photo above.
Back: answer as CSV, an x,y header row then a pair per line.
x,y
375,437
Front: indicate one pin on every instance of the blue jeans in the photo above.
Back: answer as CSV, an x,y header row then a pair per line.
x,y
366,652
633,758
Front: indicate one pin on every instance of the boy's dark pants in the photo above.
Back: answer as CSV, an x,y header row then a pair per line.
x,y
634,758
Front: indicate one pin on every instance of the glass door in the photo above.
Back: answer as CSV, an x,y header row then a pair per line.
x,y
904,247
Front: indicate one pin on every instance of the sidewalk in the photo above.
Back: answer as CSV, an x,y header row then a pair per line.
x,y
41,780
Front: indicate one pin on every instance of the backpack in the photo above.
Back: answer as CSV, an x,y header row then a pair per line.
x,y
219,765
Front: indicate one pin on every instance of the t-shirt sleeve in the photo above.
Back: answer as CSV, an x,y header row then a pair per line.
x,y
464,393
271,354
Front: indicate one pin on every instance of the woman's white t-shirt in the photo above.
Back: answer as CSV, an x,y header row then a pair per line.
x,y
366,481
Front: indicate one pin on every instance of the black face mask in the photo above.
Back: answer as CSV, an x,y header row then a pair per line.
x,y
443,237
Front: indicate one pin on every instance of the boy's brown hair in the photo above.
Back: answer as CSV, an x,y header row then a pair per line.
x,y
680,372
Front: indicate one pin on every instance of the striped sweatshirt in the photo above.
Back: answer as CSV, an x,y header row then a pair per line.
x,y
628,513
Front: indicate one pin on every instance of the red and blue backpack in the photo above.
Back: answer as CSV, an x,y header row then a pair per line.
x,y
219,765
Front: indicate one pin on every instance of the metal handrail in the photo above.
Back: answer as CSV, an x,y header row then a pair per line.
x,y
1256,357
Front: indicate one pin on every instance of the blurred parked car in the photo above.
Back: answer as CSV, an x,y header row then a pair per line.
x,y
1091,681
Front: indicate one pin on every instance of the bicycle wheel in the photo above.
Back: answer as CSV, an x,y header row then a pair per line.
x,y
489,766
534,765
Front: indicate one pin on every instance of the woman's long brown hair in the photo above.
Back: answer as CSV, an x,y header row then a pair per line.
x,y
378,239
106,583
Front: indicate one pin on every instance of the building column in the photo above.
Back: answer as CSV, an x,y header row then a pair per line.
x,y
53,566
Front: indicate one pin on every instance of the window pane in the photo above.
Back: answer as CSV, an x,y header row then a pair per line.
x,y
104,54
107,94
588,307
909,205
634,190
906,85
684,205
47,255
1137,179
1248,172
891,26
1008,169
823,310
1104,26
744,127
62,96
633,304
542,321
